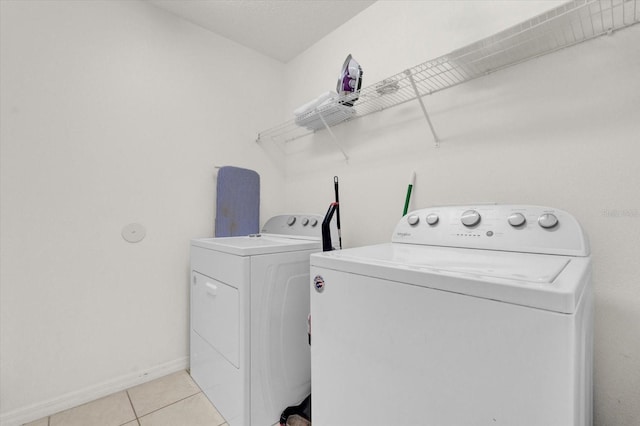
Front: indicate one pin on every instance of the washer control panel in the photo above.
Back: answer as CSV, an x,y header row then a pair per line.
x,y
507,227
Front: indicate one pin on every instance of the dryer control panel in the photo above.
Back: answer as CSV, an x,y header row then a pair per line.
x,y
303,225
507,227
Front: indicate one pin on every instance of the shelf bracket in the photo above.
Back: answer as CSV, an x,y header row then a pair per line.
x,y
424,109
337,142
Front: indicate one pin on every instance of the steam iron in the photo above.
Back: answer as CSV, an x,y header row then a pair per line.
x,y
350,81
332,108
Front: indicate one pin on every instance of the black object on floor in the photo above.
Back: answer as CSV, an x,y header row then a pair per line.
x,y
302,410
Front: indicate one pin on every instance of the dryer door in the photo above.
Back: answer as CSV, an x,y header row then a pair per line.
x,y
216,316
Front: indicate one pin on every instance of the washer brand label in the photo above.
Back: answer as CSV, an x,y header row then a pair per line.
x,y
403,234
318,283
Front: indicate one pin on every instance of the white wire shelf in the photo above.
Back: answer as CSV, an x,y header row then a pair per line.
x,y
566,25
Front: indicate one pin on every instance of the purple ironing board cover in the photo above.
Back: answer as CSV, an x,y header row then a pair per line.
x,y
237,202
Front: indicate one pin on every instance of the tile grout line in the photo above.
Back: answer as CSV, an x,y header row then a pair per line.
x,y
212,404
137,417
168,405
135,413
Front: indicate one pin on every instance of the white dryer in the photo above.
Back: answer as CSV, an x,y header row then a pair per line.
x,y
472,316
249,350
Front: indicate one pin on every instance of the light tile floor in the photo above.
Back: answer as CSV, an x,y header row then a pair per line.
x,y
173,400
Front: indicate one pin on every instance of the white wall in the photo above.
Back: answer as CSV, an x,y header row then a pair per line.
x,y
113,112
562,130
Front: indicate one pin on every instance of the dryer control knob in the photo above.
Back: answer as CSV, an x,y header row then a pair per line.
x,y
470,218
305,221
413,219
291,220
517,219
548,220
432,219
314,222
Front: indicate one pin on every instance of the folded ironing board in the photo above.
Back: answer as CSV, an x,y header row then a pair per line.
x,y
237,202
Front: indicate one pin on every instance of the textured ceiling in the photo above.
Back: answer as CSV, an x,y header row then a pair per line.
x,y
281,29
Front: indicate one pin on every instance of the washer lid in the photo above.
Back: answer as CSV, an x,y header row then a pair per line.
x,y
488,264
258,244
548,282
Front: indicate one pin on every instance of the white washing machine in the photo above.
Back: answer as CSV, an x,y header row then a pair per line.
x,y
472,316
249,308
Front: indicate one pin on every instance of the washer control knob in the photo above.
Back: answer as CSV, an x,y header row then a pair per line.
x,y
413,219
291,220
314,222
305,221
470,218
548,220
432,219
517,219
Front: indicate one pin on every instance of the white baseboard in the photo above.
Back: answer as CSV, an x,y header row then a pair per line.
x,y
82,396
